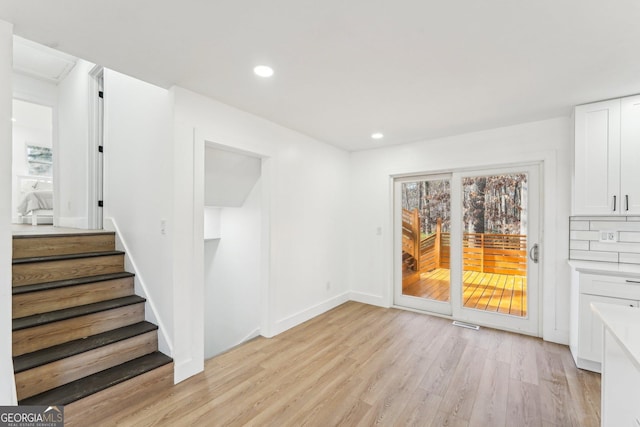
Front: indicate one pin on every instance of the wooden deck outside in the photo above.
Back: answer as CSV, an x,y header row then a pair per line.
x,y
500,293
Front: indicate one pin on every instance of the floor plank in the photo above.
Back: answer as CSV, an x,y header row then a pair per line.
x,y
364,365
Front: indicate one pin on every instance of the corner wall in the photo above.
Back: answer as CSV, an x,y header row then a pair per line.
x,y
138,181
305,199
71,153
7,382
371,255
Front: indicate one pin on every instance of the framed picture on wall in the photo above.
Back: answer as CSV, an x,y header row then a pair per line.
x,y
39,160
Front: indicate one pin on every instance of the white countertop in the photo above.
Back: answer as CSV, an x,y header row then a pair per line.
x,y
608,268
624,325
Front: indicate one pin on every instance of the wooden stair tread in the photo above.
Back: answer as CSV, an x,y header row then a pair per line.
x,y
65,257
17,290
68,313
51,354
46,235
91,384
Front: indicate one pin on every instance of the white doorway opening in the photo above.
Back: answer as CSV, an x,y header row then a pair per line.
x,y
233,221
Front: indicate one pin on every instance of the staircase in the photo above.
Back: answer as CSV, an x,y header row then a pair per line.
x,y
79,334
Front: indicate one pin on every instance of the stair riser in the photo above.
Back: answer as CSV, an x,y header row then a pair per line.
x,y
50,271
102,406
39,337
71,296
62,245
52,375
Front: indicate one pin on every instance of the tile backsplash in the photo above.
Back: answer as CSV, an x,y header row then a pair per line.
x,y
588,238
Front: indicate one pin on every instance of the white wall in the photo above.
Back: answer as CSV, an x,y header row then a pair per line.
x,y
228,177
138,184
371,255
7,384
71,154
305,199
232,277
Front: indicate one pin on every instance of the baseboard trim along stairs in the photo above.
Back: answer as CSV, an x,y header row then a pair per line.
x,y
80,338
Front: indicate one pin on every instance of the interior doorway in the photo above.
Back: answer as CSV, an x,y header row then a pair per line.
x,y
32,165
467,245
233,221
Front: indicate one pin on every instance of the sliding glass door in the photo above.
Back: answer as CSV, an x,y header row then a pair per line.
x,y
467,246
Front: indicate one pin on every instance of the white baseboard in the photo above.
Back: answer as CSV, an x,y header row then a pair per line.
x,y
311,312
366,298
186,368
558,337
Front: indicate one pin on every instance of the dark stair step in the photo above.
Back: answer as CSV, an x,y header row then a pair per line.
x,y
65,257
71,348
95,383
70,282
69,313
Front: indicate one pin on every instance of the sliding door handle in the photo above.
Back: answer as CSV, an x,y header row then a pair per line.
x,y
534,253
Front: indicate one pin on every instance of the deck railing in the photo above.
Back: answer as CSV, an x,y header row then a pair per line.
x,y
482,252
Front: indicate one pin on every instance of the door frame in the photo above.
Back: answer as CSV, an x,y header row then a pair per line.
x,y
95,159
529,324
458,312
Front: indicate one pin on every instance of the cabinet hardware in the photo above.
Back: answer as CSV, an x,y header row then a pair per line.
x,y
626,200
633,281
614,203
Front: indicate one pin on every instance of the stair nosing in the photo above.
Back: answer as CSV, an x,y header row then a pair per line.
x,y
40,236
72,312
46,286
72,348
65,257
81,390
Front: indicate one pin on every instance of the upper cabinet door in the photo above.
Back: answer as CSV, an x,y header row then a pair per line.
x,y
597,159
630,155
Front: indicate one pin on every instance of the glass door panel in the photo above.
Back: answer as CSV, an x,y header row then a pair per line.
x,y
425,206
499,227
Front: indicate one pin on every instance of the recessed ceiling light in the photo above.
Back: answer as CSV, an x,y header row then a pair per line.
x,y
377,135
263,71
13,119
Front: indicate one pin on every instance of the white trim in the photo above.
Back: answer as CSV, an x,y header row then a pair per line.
x,y
185,369
309,313
367,298
165,344
93,166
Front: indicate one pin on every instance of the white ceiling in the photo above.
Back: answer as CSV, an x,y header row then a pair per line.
x,y
412,69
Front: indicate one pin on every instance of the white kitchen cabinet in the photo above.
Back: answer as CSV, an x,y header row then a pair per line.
x,y
597,158
607,152
586,329
630,155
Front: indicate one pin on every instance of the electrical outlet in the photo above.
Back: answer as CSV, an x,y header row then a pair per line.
x,y
328,285
163,226
608,236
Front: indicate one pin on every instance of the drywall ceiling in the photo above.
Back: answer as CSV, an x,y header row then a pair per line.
x,y
412,69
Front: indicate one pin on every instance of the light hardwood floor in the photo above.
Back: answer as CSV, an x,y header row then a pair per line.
x,y
359,365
